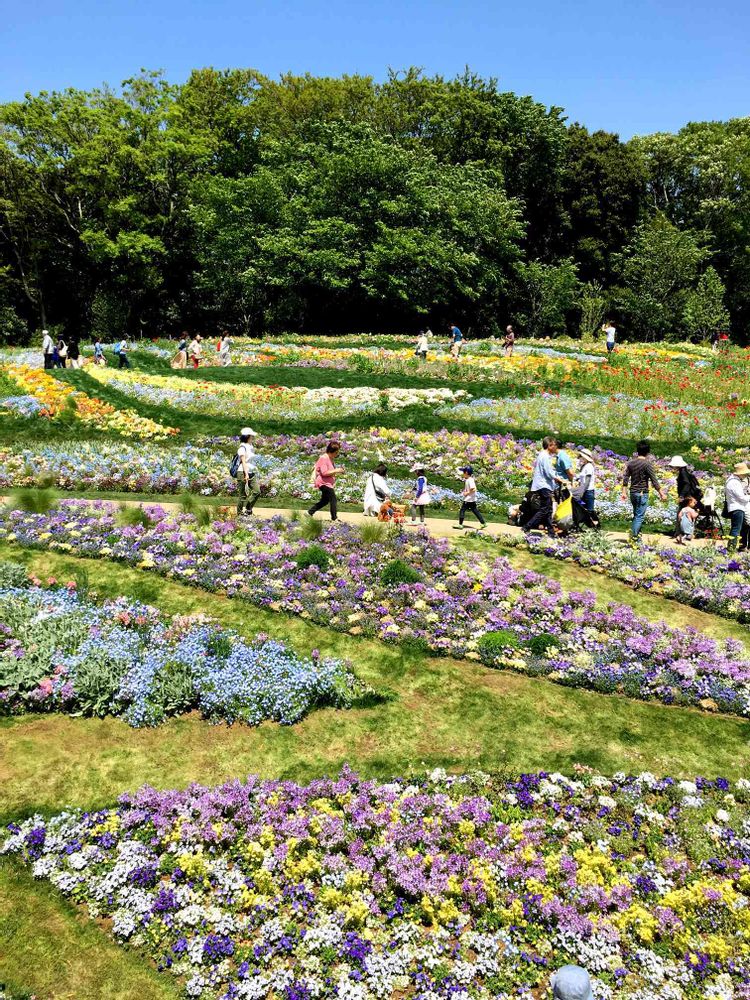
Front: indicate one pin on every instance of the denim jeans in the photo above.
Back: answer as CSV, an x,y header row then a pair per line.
x,y
588,500
736,521
640,503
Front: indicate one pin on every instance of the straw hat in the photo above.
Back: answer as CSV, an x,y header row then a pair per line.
x,y
677,462
742,469
586,454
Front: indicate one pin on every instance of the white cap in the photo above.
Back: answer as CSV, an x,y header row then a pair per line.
x,y
44,332
248,432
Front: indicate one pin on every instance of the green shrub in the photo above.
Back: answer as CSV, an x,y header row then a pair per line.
x,y
130,517
397,571
313,555
539,644
493,644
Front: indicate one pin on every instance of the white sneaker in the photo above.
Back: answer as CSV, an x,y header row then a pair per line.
x,y
413,521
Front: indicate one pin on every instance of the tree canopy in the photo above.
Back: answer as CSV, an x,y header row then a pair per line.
x,y
318,203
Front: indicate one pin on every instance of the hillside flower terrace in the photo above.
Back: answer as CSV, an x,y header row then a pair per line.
x,y
448,601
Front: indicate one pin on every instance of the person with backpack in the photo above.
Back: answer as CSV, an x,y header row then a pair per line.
x,y
324,479
376,490
244,470
736,504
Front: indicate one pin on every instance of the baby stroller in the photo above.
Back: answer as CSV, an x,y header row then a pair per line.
x,y
708,523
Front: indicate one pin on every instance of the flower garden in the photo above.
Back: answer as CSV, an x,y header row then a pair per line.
x,y
284,758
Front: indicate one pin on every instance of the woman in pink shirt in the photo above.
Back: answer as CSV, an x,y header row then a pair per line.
x,y
325,479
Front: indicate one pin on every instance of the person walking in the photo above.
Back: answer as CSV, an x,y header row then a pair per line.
x,y
48,350
99,358
421,494
469,502
639,476
423,345
456,343
324,478
179,361
74,352
544,482
245,472
376,490
737,501
121,350
62,353
510,341
584,490
611,335
195,351
225,346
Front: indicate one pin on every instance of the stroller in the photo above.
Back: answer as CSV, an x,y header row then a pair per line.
x,y
708,523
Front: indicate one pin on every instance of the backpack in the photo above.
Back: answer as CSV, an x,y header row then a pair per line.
x,y
234,466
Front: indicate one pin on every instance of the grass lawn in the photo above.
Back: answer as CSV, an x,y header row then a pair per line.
x,y
50,949
444,712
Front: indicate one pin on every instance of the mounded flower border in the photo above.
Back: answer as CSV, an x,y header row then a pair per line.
x,y
444,600
61,652
454,887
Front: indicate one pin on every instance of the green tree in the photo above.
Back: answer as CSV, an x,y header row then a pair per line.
x,y
550,294
705,311
658,270
604,191
593,306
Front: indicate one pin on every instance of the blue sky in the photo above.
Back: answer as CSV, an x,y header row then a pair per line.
x,y
632,66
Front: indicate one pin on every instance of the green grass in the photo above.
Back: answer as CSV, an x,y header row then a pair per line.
x,y
446,712
49,948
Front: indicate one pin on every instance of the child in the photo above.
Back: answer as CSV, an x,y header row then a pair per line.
x,y
686,517
469,499
421,496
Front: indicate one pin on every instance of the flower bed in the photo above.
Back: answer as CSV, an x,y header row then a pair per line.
x,y
266,402
615,415
443,887
706,578
56,399
60,652
446,600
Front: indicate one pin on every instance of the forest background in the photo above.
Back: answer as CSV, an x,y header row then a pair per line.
x,y
323,204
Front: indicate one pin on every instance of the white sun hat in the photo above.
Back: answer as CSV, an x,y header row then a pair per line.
x,y
248,432
678,462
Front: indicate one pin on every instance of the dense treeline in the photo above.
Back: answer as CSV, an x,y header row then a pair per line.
x,y
345,204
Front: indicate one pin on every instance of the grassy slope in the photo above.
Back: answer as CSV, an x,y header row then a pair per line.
x,y
446,712
49,949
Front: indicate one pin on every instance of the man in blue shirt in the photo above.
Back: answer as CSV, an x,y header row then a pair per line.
x,y
456,340
543,484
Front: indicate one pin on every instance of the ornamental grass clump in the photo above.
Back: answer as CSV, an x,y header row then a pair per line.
x,y
398,572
